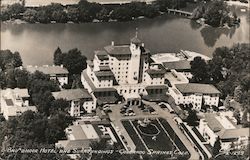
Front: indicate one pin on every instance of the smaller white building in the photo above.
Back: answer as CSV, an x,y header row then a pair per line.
x,y
214,126
13,102
80,101
58,73
196,94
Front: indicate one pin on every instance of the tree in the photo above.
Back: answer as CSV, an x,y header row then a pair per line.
x,y
199,70
17,61
216,147
74,61
192,118
72,14
216,13
236,115
15,10
10,78
42,16
163,5
59,105
58,56
103,15
245,119
30,15
21,77
2,80
238,94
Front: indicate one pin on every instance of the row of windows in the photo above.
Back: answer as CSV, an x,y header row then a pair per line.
x,y
131,90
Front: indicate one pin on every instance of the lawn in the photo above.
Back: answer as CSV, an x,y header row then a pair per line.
x,y
153,135
162,141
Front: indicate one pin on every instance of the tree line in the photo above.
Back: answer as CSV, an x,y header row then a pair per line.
x,y
216,13
85,11
229,71
45,127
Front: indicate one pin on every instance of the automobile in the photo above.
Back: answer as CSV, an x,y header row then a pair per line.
x,y
108,111
125,107
154,113
131,114
106,107
145,110
122,111
126,114
163,106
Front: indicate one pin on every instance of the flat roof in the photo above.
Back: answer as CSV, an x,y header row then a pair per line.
x,y
50,70
225,130
178,65
197,88
156,87
89,131
72,94
105,73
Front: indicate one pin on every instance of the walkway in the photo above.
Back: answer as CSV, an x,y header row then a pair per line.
x,y
180,12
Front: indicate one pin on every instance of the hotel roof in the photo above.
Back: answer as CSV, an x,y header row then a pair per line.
x,y
118,50
102,55
178,65
156,87
104,74
50,70
72,94
197,88
225,130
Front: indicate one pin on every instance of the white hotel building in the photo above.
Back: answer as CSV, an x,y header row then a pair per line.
x,y
124,71
196,94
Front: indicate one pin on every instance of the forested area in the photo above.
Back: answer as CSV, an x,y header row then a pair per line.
x,y
229,71
85,11
32,130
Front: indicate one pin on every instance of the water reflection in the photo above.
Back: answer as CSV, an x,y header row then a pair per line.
x,y
211,35
194,25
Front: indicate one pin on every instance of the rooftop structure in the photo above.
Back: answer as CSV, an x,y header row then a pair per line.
x,y
14,102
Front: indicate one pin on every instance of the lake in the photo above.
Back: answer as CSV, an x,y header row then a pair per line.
x,y
37,42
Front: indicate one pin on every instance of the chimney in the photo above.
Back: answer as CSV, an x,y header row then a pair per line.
x,y
61,65
112,43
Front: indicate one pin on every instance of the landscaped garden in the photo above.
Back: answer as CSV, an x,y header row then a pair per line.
x,y
153,135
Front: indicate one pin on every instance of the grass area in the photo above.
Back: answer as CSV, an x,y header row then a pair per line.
x,y
138,143
172,134
162,141
198,134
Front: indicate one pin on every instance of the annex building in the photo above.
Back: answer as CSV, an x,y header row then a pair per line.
x,y
214,126
196,94
13,102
